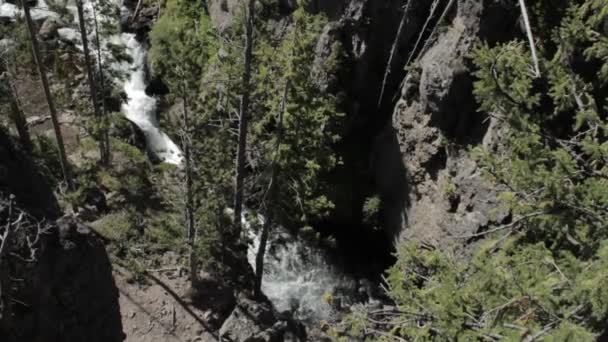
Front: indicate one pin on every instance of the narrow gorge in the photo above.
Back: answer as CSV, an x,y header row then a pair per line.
x,y
405,170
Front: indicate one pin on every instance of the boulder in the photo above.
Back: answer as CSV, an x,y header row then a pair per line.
x,y
49,28
252,321
68,35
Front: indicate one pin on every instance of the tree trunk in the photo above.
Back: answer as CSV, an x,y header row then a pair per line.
x,y
17,115
272,199
104,112
189,212
524,13
5,289
92,83
389,64
21,125
49,97
244,122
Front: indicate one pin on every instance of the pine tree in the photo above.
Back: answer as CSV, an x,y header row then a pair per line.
x,y
101,136
176,55
65,167
244,118
540,276
8,92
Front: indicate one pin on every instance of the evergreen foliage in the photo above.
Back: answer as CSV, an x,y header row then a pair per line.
x,y
543,275
311,120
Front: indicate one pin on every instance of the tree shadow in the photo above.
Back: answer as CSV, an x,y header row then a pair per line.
x,y
391,179
167,328
182,303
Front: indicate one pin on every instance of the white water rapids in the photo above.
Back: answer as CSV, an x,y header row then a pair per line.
x,y
139,108
297,276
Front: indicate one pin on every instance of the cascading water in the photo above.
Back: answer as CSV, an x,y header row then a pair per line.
x,y
298,276
139,108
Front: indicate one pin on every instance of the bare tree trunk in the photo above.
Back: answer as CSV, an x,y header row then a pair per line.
x,y
91,77
524,13
49,97
190,209
272,199
389,64
5,306
447,9
105,120
244,121
16,113
434,6
21,125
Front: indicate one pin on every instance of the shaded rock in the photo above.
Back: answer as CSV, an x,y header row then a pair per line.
x,y
20,176
68,289
252,321
434,120
222,12
211,293
49,28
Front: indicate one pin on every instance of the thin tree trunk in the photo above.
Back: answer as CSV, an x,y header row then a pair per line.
x,y
389,64
5,306
21,125
272,199
104,112
49,97
91,77
137,8
434,6
17,115
447,9
189,212
524,13
244,122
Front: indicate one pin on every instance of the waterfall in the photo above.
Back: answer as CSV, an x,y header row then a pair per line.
x,y
298,277
139,108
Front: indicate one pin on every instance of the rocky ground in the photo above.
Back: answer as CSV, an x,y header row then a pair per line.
x,y
156,312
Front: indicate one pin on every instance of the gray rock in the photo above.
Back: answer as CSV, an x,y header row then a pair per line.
x,y
49,28
6,46
68,35
251,321
442,193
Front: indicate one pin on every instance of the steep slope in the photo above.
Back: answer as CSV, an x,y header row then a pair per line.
x,y
55,275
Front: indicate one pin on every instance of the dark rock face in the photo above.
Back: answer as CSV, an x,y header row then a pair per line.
x,y
66,293
74,289
444,194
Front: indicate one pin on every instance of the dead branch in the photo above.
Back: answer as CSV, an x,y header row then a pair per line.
x,y
524,13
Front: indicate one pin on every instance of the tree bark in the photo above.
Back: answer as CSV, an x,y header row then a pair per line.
x,y
272,199
104,112
190,209
21,125
91,78
244,121
49,97
524,13
16,113
389,64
